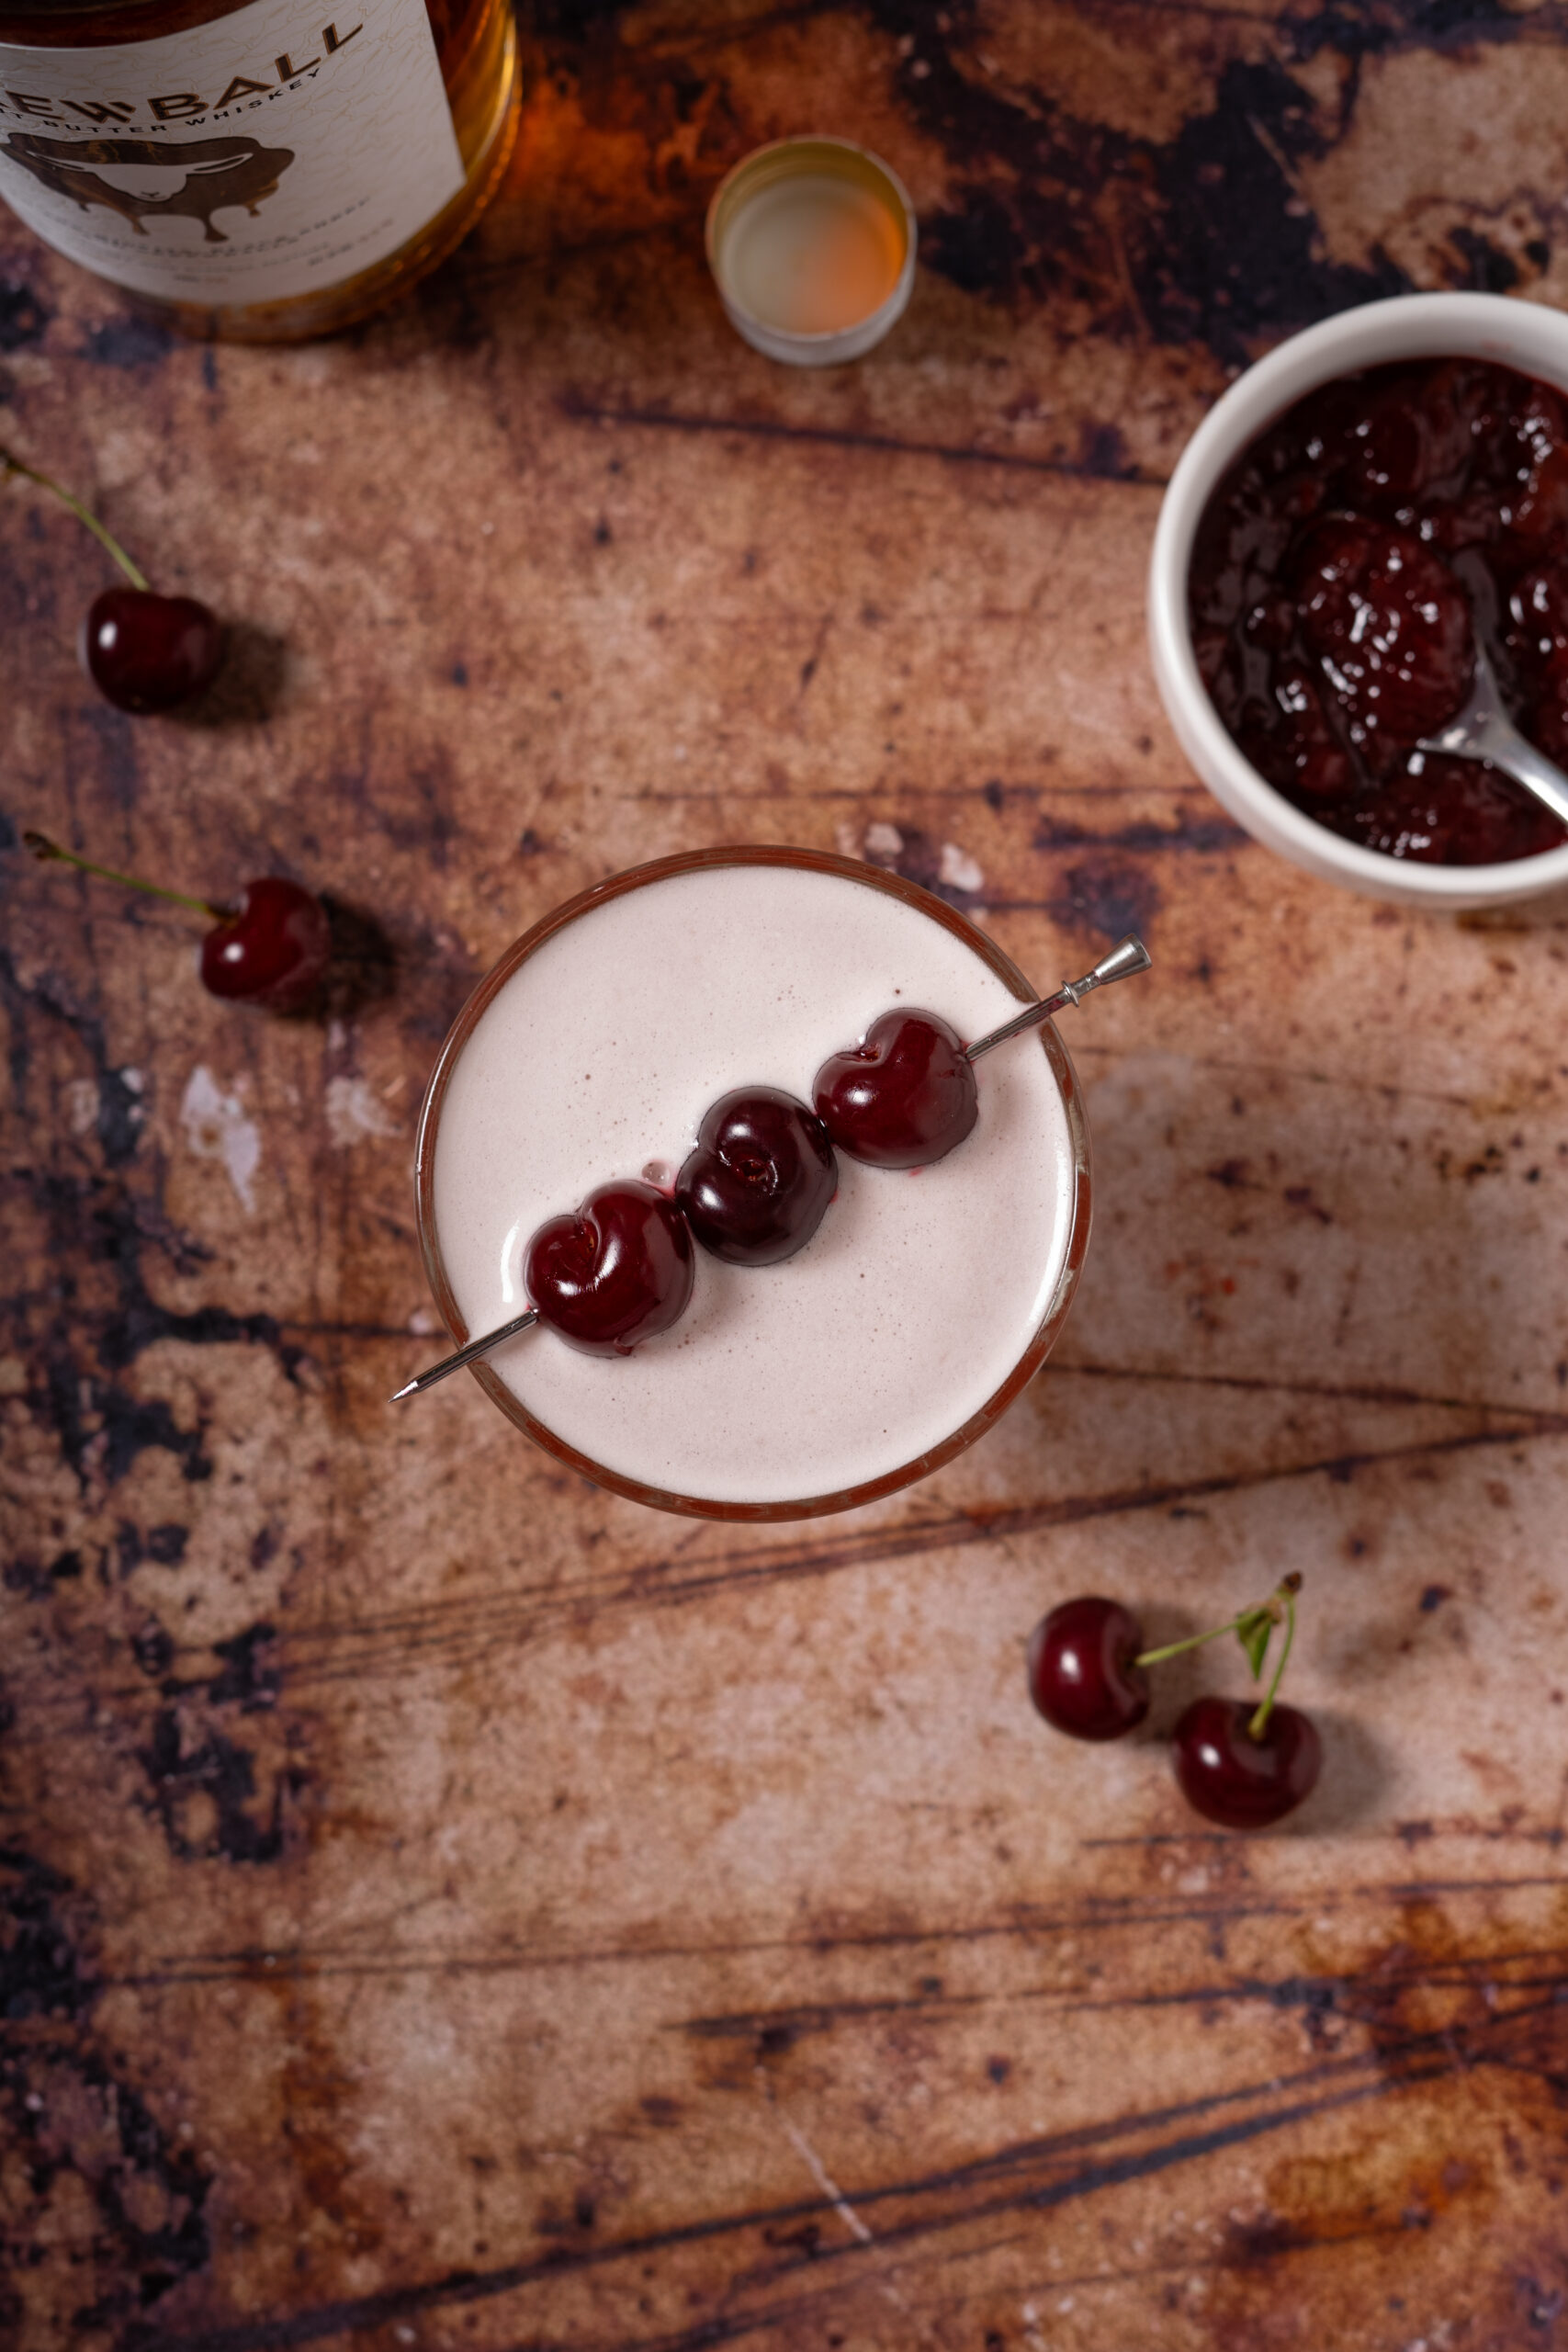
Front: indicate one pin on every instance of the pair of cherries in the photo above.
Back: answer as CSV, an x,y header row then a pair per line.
x,y
755,1188
143,652
1244,1766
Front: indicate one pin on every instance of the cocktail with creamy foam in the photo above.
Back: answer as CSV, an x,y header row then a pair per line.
x,y
925,1299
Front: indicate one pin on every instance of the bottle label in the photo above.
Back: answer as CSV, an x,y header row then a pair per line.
x,y
273,153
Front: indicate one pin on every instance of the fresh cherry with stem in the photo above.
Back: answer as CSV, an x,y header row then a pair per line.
x,y
272,947
143,652
1245,1766
1243,1779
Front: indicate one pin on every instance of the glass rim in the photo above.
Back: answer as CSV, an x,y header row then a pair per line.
x,y
868,876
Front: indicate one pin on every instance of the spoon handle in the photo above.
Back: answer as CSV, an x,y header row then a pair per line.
x,y
1483,730
1501,742
1128,956
481,1346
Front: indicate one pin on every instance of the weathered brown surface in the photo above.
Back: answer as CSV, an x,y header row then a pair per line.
x,y
445,1906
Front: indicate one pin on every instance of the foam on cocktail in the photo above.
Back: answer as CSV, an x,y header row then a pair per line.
x,y
920,1292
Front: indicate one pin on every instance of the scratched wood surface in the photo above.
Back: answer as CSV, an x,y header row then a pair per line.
x,y
443,1905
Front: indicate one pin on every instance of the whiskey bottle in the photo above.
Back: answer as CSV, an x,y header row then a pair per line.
x,y
260,170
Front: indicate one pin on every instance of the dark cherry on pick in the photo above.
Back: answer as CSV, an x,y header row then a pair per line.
x,y
617,1272
271,948
1081,1675
1237,1781
145,653
903,1097
754,1190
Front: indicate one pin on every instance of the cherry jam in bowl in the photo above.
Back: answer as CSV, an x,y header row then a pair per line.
x,y
1364,507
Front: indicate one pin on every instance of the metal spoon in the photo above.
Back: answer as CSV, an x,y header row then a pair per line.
x,y
481,1346
1483,730
1129,955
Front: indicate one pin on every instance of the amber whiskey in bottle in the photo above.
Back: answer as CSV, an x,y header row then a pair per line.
x,y
259,170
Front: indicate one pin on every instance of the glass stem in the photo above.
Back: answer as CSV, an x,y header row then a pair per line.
x,y
50,853
12,465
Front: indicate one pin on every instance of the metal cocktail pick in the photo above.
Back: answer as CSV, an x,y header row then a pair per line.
x,y
1128,956
486,1341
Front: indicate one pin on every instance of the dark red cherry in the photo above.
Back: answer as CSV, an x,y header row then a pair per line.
x,y
1081,1675
271,948
903,1097
615,1273
1307,756
1392,449
1239,1782
1389,623
754,1190
145,652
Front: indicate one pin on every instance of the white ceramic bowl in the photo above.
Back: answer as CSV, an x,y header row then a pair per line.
x,y
1524,335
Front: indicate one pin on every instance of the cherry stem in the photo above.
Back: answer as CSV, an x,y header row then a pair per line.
x,y
48,853
11,464
1270,1609
1258,1723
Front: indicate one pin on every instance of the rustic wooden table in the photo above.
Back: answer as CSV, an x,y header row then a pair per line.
x,y
443,1905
